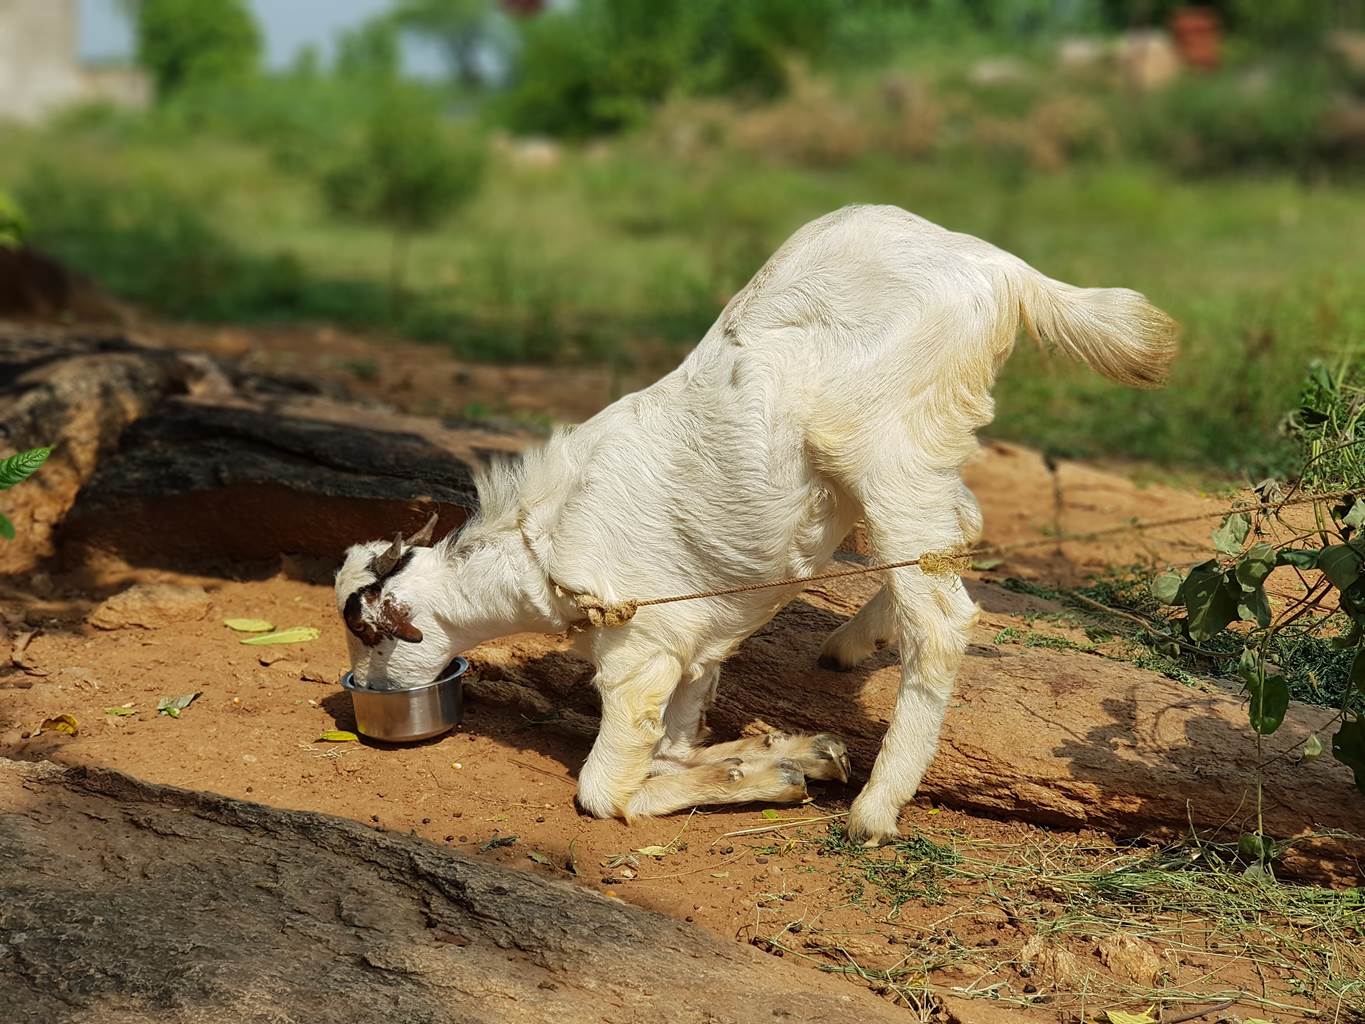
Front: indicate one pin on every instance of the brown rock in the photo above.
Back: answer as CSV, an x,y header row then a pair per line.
x,y
105,890
77,392
1052,963
1131,959
151,606
1052,737
206,482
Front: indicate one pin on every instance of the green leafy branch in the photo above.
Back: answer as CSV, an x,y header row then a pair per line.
x,y
15,470
1228,590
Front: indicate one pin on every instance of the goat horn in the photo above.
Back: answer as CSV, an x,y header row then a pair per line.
x,y
384,563
422,538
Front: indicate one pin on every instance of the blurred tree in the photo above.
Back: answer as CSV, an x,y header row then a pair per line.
x,y
369,52
188,43
466,30
408,172
13,224
599,65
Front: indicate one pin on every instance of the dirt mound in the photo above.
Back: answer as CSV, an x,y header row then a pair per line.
x,y
33,286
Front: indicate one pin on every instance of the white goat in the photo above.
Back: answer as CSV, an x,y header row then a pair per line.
x,y
846,379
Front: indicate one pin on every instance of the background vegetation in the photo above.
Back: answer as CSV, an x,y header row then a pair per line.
x,y
636,160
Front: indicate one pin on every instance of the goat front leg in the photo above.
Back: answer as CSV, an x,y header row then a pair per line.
x,y
633,708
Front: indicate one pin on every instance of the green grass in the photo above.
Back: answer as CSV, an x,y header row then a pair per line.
x,y
625,254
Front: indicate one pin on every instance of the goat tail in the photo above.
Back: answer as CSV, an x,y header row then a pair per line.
x,y
1114,331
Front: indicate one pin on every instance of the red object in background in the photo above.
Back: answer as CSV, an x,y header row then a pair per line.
x,y
523,8
1198,36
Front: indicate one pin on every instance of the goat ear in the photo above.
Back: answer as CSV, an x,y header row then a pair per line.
x,y
422,538
397,621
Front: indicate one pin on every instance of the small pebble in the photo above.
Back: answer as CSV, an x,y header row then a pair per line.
x,y
1030,989
760,860
426,821
374,817
450,839
464,839
540,818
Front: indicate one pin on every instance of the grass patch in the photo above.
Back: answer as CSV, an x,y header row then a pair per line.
x,y
624,252
1191,899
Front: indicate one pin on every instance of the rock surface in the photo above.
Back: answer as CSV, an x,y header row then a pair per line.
x,y
75,392
199,480
151,606
124,902
1053,737
166,457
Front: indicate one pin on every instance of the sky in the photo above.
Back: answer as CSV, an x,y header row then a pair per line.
x,y
286,24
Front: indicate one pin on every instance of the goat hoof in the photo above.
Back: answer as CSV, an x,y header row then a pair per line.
x,y
833,664
793,774
832,753
734,773
773,738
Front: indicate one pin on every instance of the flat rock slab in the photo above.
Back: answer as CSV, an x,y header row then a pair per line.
x,y
123,902
1052,737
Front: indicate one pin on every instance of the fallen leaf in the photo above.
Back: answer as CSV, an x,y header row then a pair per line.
x,y
1119,1017
62,723
654,851
249,625
121,710
770,814
293,635
540,858
337,736
500,841
174,705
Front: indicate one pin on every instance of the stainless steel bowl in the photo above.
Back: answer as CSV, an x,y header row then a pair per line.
x,y
402,716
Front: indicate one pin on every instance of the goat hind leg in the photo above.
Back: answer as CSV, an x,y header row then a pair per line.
x,y
933,615
724,782
821,756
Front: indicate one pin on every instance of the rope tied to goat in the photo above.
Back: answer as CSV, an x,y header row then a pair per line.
x,y
951,562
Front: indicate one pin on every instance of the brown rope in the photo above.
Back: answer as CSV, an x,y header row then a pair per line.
x,y
934,563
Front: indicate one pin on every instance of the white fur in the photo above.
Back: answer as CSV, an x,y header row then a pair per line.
x,y
846,380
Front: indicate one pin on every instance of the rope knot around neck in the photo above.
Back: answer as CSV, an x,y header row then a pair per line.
x,y
596,611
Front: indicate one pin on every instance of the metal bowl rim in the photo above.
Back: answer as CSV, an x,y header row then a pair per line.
x,y
461,667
